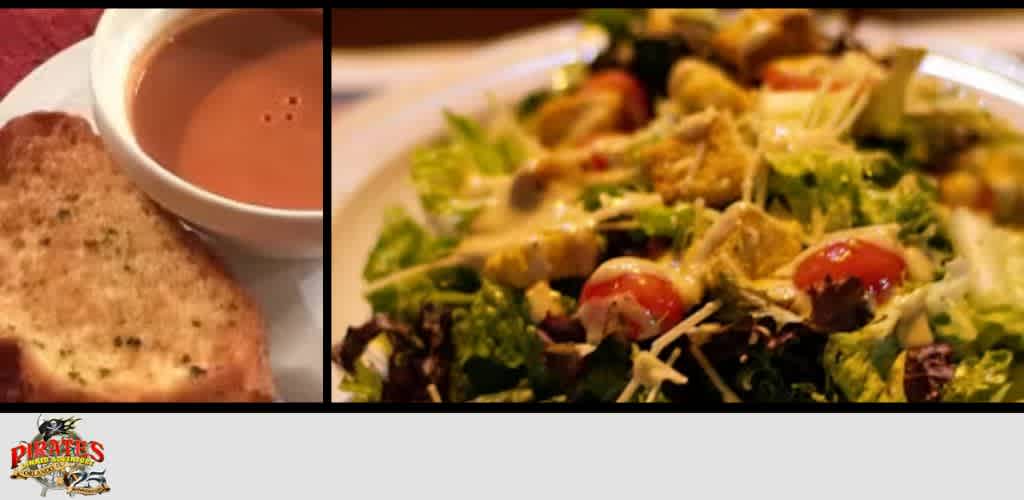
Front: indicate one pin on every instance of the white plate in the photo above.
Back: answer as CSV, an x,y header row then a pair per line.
x,y
290,292
373,138
373,69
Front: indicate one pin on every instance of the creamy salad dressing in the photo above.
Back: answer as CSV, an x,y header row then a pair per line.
x,y
505,224
557,207
506,228
614,314
687,285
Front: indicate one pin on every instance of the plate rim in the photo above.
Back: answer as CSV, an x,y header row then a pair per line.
x,y
38,73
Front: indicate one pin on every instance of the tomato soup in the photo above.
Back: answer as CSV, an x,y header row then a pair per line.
x,y
232,101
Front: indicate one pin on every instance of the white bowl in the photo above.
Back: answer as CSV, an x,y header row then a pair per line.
x,y
122,34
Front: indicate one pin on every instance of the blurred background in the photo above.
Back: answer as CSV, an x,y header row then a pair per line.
x,y
377,27
376,48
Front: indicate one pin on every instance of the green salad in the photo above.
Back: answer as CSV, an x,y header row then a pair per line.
x,y
741,209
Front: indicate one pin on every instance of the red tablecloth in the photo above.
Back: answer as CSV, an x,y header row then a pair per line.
x,y
28,37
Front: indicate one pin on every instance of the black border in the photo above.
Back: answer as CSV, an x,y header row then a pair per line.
x,y
326,406
508,408
329,214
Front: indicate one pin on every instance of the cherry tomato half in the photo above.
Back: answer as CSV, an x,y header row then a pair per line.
x,y
877,268
651,292
634,96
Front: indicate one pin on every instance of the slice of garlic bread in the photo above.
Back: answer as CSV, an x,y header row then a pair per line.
x,y
103,295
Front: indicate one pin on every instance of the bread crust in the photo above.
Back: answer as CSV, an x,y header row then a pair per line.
x,y
77,345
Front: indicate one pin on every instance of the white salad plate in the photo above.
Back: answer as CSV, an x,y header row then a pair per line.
x,y
356,71
372,139
291,292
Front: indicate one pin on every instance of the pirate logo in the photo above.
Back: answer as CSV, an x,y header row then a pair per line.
x,y
57,427
58,458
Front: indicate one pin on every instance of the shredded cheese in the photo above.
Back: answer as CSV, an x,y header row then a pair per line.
x,y
684,326
672,358
718,231
812,114
842,104
688,325
435,397
863,93
779,314
628,392
650,371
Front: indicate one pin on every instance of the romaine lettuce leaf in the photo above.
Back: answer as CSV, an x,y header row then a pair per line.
x,y
830,190
1000,326
929,119
675,222
995,258
952,323
364,386
979,304
884,114
911,203
971,328
867,365
403,243
468,137
984,379
445,176
404,299
818,187
440,175
496,344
